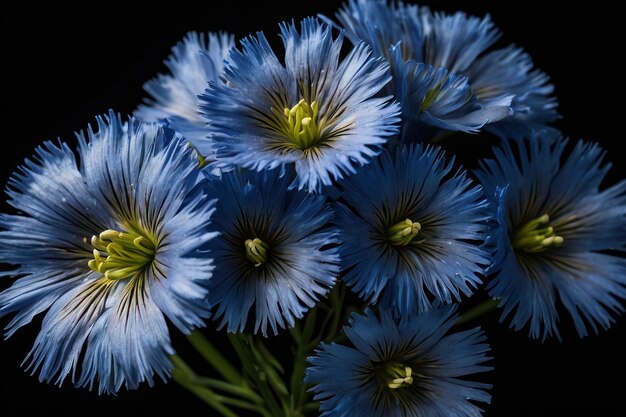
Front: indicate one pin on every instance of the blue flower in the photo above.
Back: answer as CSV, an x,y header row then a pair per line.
x,y
315,112
410,367
503,81
433,97
410,225
110,246
383,24
556,228
456,41
510,71
276,251
196,60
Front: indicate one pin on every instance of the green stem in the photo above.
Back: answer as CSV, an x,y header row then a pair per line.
x,y
242,404
297,375
306,342
337,297
479,310
257,375
218,401
197,385
309,407
184,376
299,393
208,397
303,349
269,357
214,357
244,392
309,325
264,364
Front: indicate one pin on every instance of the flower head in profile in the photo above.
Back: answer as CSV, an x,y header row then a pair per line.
x,y
196,60
276,251
412,367
512,94
316,112
556,231
110,247
434,98
411,228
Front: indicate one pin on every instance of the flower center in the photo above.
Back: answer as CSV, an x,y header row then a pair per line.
x,y
396,375
403,233
536,236
300,125
256,251
430,98
120,255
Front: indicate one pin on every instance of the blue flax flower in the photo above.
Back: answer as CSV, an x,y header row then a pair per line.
x,y
435,98
410,228
314,112
196,60
503,81
411,367
276,251
110,247
556,227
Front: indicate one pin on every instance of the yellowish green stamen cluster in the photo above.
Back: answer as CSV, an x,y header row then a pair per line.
x,y
256,251
403,233
536,236
300,125
119,255
398,376
430,98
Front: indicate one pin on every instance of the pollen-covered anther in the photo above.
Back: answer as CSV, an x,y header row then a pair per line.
x,y
301,124
403,233
256,251
535,236
119,255
407,379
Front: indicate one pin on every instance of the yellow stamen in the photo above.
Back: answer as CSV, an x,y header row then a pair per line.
x,y
536,236
256,251
403,233
119,255
300,124
403,378
430,98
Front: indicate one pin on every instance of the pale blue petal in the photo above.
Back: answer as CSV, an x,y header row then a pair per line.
x,y
455,41
382,24
195,61
244,112
132,177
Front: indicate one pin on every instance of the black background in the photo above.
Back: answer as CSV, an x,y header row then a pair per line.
x,y
61,67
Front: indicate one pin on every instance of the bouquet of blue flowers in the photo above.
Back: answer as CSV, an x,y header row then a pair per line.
x,y
305,193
